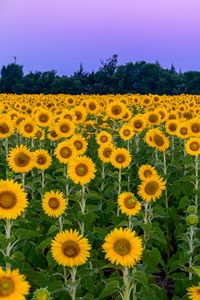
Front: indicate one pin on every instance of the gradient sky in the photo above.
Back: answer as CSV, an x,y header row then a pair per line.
x,y
60,34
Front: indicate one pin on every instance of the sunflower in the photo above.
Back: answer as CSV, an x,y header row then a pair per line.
x,y
146,171
81,170
116,110
194,292
151,188
71,102
120,158
138,123
43,117
103,137
194,127
13,199
13,285
65,152
40,134
69,248
153,118
123,247
171,126
155,138
80,113
53,134
161,142
104,152
21,159
192,146
42,159
54,204
28,128
68,114
126,132
92,106
183,130
129,204
65,128
80,143
6,127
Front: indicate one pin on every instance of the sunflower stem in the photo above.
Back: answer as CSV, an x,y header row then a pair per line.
x,y
129,177
191,248
103,175
6,154
73,283
23,180
196,165
60,223
146,221
130,223
8,227
137,142
127,287
156,157
119,187
43,181
165,175
82,205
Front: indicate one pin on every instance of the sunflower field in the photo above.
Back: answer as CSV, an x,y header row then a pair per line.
x,y
99,197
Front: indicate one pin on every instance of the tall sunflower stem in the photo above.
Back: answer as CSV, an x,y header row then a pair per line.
x,y
119,187
23,180
43,181
191,248
137,142
127,286
82,205
8,227
60,223
196,185
129,177
146,221
165,175
156,157
73,283
130,223
103,175
6,150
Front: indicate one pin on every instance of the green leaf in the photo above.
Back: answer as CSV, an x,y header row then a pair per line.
x,y
110,288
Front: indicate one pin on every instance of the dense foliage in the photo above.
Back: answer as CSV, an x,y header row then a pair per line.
x,y
110,78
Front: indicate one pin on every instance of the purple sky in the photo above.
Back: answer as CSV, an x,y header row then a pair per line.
x,y
60,34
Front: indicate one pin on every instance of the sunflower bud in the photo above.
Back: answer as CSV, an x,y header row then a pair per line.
x,y
191,209
192,220
42,294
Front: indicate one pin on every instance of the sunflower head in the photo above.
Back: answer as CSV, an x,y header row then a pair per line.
x,y
120,158
128,204
21,159
151,188
192,146
146,171
69,248
13,285
123,247
42,159
81,170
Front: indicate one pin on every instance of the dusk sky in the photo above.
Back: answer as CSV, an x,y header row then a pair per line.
x,y
60,34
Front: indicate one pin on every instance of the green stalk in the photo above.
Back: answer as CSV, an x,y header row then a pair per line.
x,y
191,248
82,206
119,187
73,283
8,227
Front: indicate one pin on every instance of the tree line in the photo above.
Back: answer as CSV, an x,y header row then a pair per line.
x,y
139,77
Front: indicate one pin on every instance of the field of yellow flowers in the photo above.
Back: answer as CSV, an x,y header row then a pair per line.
x,y
99,197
